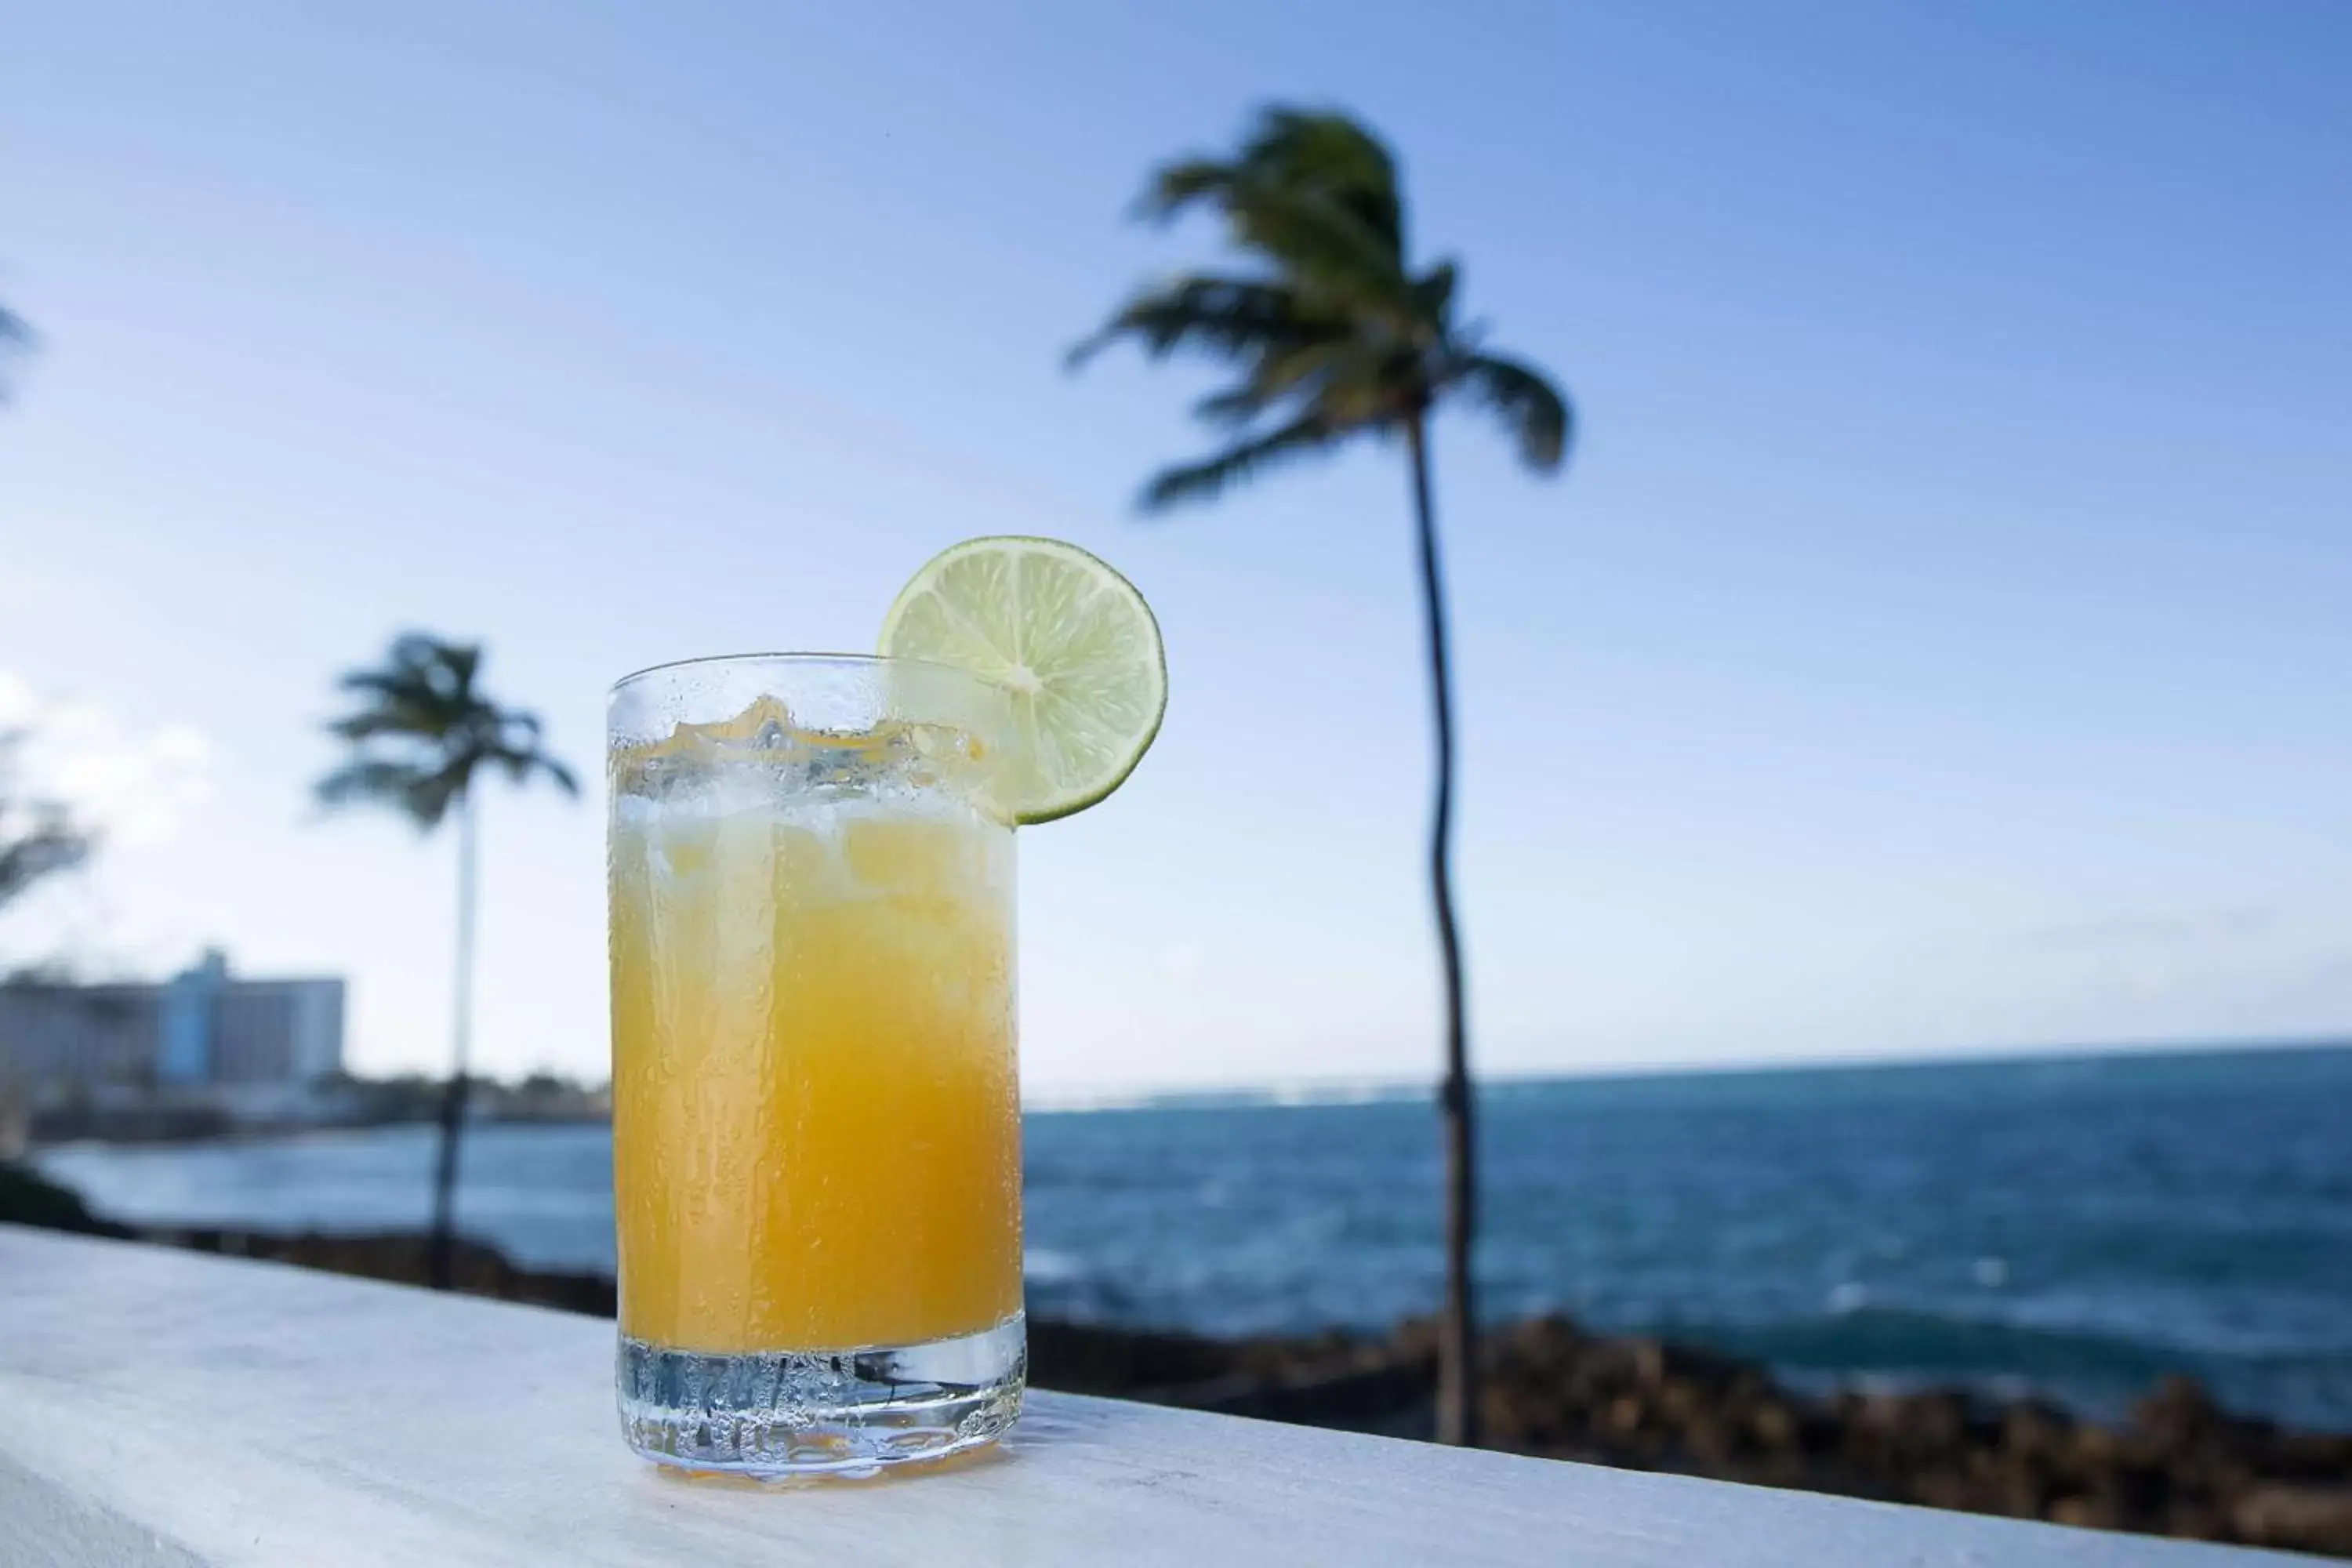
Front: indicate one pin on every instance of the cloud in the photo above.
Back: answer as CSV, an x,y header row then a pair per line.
x,y
18,701
134,784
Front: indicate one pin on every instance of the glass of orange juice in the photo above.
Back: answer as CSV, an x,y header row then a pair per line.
x,y
817,1135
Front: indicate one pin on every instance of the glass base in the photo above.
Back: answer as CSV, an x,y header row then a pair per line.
x,y
784,1413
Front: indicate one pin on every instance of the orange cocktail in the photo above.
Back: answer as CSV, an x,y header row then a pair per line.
x,y
816,1150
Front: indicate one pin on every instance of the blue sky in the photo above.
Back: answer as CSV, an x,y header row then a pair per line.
x,y
1936,644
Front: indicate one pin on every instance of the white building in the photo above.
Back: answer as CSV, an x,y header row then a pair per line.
x,y
201,1037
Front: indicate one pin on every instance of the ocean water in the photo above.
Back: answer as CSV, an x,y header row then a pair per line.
x,y
2078,1228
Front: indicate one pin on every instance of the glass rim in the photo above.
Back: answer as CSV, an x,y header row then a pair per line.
x,y
870,660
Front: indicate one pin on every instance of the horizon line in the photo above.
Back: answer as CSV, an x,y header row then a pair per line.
x,y
1336,1091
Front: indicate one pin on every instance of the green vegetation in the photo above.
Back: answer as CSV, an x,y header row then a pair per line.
x,y
1336,335
423,732
27,1197
413,1096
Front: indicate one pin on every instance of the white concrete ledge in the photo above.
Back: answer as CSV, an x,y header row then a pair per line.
x,y
167,1408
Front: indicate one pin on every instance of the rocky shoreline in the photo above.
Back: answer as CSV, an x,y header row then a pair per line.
x,y
2180,1467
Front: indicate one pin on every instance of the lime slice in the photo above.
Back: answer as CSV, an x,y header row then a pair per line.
x,y
1069,637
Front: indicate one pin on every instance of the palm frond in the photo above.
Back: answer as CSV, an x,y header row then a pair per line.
x,y
424,731
383,685
1288,153
1184,182
421,662
1433,295
1313,191
1335,155
521,763
425,689
38,839
1304,375
432,794
1318,244
1223,315
1207,479
398,717
1532,408
1232,408
399,704
15,338
375,781
459,663
47,848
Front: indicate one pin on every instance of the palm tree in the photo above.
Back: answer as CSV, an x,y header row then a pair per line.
x,y
422,731
1335,334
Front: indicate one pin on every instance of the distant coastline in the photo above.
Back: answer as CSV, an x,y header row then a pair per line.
x,y
341,1102
355,1101
1408,1089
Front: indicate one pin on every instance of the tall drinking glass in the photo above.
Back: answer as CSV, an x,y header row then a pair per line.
x,y
816,1133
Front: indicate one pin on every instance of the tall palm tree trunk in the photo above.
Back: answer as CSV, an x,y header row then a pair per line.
x,y
441,1265
1457,1343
